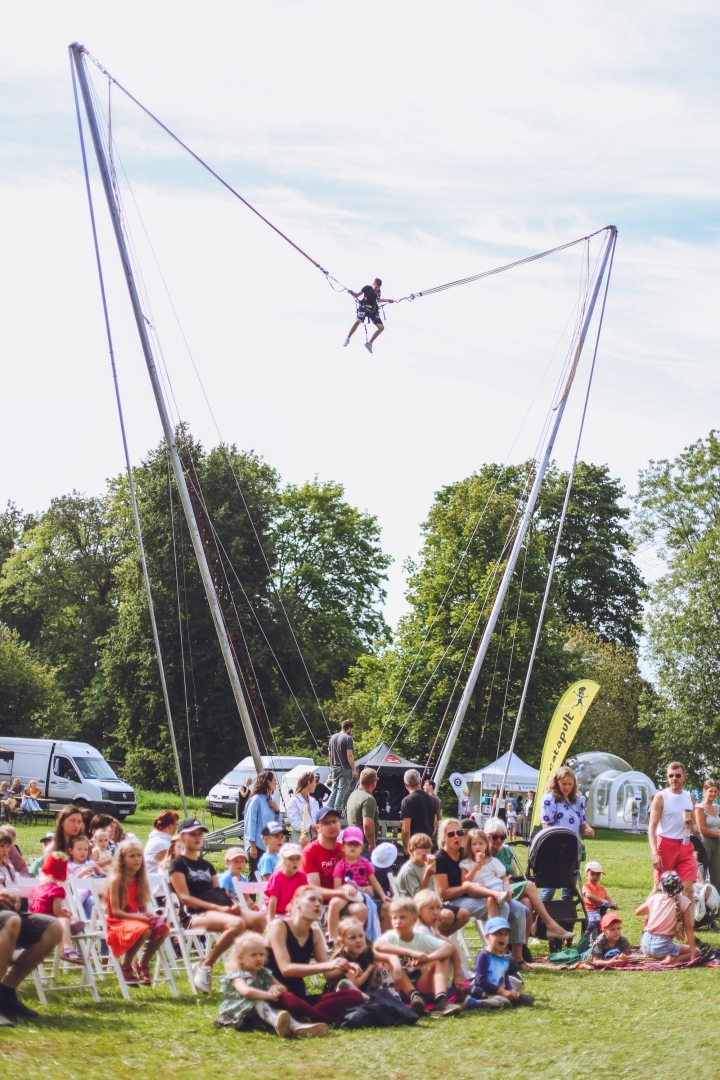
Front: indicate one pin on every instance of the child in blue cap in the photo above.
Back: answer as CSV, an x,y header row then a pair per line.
x,y
492,988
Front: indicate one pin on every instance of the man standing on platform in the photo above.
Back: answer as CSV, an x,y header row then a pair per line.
x,y
341,757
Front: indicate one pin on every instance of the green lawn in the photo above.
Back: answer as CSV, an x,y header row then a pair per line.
x,y
610,1024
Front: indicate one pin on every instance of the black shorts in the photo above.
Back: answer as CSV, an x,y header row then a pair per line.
x,y
373,316
32,926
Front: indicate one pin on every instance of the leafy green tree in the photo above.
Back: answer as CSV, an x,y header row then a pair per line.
x,y
678,509
32,704
13,523
57,589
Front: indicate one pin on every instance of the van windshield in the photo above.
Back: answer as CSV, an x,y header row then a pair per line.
x,y
235,778
94,768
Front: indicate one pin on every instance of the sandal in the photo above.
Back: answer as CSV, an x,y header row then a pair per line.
x,y
128,974
71,956
143,973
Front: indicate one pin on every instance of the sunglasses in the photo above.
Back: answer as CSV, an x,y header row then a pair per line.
x,y
496,836
675,775
453,832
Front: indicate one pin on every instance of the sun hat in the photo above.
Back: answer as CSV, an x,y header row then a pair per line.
x,y
352,835
288,850
190,824
608,919
384,856
492,926
593,865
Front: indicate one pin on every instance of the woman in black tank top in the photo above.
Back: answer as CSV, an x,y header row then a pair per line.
x,y
293,944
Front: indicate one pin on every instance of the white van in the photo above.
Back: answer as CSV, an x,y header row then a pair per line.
x,y
222,798
67,772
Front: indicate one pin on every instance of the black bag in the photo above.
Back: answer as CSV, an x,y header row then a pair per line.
x,y
382,1010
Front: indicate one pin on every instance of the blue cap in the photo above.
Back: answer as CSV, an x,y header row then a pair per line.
x,y
492,926
327,811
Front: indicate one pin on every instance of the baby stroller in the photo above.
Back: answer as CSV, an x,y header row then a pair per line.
x,y
707,901
553,861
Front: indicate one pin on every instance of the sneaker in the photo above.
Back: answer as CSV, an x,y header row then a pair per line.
x,y
446,1008
417,1004
4,1022
368,346
202,978
12,1007
482,1003
309,1031
283,1024
346,342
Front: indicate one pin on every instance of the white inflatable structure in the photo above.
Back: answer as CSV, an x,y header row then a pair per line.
x,y
612,788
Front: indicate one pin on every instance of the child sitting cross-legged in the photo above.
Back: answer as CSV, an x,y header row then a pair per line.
x,y
492,988
611,948
236,861
250,990
284,881
130,925
669,915
352,945
418,961
353,869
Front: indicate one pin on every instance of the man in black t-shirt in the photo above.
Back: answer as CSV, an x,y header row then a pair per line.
x,y
369,308
417,810
203,904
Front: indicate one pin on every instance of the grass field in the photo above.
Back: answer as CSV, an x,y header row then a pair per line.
x,y
600,1024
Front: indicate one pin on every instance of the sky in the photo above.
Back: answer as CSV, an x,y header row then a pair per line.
x,y
413,142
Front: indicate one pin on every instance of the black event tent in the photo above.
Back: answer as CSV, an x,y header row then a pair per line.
x,y
391,768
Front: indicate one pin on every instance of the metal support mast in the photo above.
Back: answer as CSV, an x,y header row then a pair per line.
x,y
76,51
524,524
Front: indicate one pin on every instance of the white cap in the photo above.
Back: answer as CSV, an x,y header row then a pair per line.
x,y
594,866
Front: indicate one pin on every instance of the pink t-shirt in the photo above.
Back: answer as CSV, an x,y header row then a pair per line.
x,y
358,872
284,888
43,896
662,914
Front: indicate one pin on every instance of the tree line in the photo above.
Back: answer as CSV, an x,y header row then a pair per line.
x,y
301,575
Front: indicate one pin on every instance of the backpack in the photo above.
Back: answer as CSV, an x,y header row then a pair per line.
x,y
382,1010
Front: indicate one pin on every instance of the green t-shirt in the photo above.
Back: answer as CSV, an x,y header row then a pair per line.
x,y
361,804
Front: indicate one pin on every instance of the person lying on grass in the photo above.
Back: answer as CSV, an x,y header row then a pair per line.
x,y
611,948
418,961
250,990
285,881
492,987
130,924
669,915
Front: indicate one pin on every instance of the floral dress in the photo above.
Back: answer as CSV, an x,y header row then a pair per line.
x,y
236,1008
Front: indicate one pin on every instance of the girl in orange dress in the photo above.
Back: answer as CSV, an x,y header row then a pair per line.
x,y
130,925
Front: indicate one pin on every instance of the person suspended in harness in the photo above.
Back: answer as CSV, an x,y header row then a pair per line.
x,y
368,308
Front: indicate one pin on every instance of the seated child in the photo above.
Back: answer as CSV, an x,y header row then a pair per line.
x,y
48,900
236,861
249,989
492,988
130,925
101,853
284,881
353,869
352,945
610,948
273,838
484,869
419,963
14,855
669,915
597,899
36,864
430,918
81,866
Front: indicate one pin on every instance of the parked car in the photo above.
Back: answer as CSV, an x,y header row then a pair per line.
x,y
67,772
222,798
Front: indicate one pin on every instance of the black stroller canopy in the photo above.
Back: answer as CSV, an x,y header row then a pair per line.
x,y
553,858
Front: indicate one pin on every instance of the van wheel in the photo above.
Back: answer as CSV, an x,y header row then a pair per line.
x,y
81,803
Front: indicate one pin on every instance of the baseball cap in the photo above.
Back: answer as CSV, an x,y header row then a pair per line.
x,y
608,919
492,926
327,811
384,855
352,835
272,828
593,865
48,836
190,824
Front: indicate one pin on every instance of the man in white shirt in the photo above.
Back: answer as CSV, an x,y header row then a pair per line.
x,y
670,824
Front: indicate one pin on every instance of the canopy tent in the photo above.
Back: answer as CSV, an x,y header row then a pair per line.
x,y
391,768
520,777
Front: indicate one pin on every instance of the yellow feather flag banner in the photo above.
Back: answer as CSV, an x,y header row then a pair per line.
x,y
566,720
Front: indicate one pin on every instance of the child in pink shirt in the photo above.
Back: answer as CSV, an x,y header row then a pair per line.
x,y
352,869
669,915
284,881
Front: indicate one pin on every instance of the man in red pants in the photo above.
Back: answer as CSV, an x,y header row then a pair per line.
x,y
670,825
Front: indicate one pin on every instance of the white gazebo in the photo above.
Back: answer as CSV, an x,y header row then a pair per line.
x,y
521,777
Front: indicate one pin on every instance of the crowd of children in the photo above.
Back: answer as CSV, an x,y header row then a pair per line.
x,y
273,943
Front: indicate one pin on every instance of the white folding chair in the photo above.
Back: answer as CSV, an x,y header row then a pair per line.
x,y
194,945
392,882
48,973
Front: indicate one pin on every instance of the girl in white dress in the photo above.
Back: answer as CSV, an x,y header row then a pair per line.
x,y
482,868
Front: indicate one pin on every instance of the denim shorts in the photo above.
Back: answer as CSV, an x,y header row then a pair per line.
x,y
657,947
